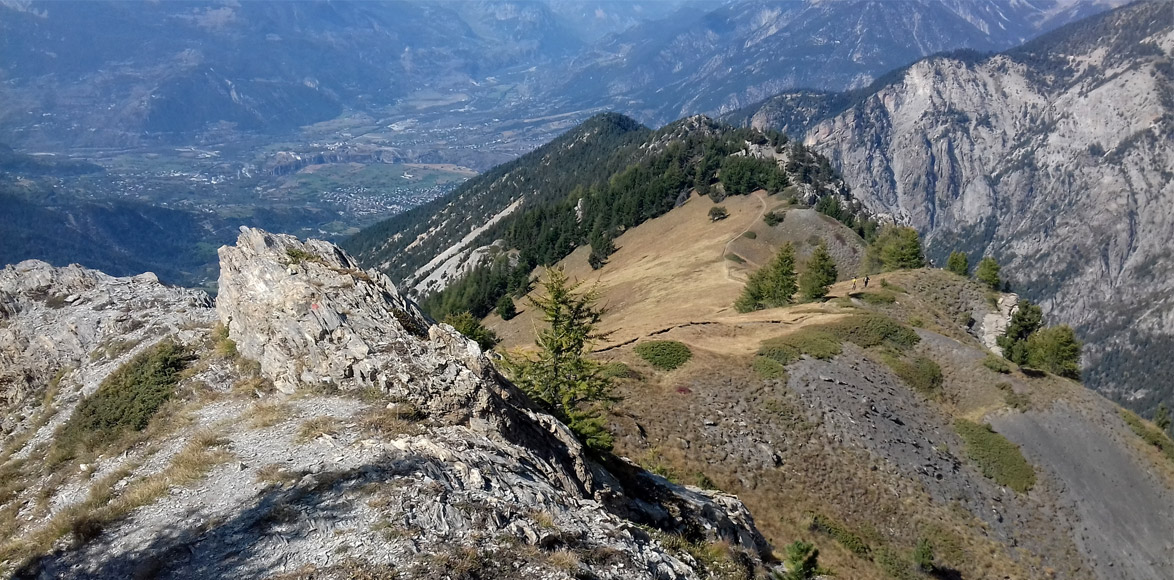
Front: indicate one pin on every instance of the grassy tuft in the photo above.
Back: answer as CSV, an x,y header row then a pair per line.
x,y
314,428
664,354
997,458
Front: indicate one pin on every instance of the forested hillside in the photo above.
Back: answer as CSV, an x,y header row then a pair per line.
x,y
585,187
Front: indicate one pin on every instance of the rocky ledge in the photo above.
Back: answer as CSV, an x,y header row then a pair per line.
x,y
387,446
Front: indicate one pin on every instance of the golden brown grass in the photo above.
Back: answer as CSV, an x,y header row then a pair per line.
x,y
104,506
268,414
316,427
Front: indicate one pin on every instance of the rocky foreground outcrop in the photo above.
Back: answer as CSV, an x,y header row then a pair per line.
x,y
370,442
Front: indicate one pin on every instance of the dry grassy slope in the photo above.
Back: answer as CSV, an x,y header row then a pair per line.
x,y
673,273
817,446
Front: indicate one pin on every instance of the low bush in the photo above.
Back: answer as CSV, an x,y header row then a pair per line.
x,y
664,354
921,373
750,235
773,218
869,330
997,458
1149,434
811,341
840,533
769,368
997,364
878,298
126,400
618,370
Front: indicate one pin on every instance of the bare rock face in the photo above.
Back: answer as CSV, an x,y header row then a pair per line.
x,y
314,321
1055,158
78,322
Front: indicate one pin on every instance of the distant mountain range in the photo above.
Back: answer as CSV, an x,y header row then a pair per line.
x,y
115,74
743,52
1055,157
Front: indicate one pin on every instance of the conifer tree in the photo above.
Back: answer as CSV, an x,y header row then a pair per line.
x,y
772,285
958,263
819,275
1026,319
896,248
560,375
987,272
1162,417
1055,349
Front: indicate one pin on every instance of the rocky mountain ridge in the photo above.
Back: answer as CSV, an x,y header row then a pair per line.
x,y
403,452
742,52
1055,158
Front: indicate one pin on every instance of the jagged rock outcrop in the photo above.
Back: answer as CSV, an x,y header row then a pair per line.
x,y
71,319
390,444
1054,157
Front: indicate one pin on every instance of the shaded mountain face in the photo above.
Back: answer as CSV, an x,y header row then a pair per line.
x,y
113,71
1055,158
743,52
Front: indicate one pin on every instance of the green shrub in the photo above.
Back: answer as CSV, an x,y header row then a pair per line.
x,y
773,218
894,565
997,364
664,354
869,330
811,341
769,368
997,458
825,341
718,212
878,298
468,325
298,255
735,258
750,235
840,533
1148,434
126,400
921,373
923,556
618,370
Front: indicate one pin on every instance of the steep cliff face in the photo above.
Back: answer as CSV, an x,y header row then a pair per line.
x,y
1056,158
330,430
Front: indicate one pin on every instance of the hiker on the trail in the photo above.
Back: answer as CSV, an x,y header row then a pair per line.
x,y
866,281
854,283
